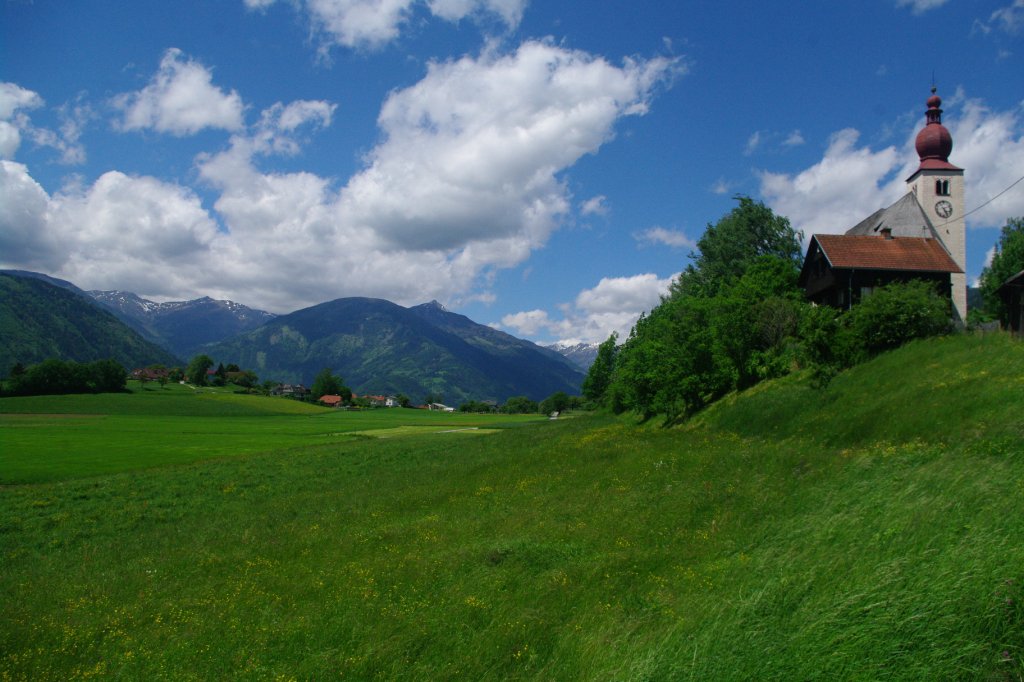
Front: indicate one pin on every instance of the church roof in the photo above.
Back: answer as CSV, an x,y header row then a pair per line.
x,y
862,252
906,218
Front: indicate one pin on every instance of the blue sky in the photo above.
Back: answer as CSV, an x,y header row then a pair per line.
x,y
545,167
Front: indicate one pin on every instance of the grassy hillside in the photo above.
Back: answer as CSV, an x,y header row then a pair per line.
x,y
868,531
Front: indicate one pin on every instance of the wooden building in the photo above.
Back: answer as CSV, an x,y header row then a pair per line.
x,y
1012,293
840,270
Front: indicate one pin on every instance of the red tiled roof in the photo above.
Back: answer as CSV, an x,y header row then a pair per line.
x,y
330,399
879,253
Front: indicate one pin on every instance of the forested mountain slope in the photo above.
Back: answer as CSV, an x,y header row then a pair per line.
x,y
39,320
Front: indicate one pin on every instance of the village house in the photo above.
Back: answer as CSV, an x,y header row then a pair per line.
x,y
921,236
330,400
290,390
150,374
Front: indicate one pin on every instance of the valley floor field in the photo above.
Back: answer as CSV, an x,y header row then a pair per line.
x,y
871,531
61,437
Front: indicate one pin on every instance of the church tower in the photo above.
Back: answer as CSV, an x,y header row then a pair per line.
x,y
939,188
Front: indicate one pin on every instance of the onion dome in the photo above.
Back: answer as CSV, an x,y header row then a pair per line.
x,y
934,143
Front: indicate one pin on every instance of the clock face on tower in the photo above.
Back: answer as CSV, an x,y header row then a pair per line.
x,y
944,208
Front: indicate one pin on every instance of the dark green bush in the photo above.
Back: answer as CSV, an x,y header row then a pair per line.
x,y
894,314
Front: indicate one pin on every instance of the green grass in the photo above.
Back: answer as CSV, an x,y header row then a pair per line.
x,y
789,534
47,438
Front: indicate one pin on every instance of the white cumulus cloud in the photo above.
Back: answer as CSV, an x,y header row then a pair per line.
x,y
468,177
614,305
473,151
25,240
372,24
837,191
120,230
180,99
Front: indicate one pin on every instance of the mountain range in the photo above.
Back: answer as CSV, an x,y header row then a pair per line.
x,y
380,347
375,346
580,354
182,326
41,319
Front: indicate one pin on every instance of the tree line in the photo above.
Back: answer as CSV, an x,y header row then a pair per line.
x,y
736,316
55,377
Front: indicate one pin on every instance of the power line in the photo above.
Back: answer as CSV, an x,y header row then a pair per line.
x,y
975,210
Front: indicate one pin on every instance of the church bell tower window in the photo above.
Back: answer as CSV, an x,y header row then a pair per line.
x,y
942,188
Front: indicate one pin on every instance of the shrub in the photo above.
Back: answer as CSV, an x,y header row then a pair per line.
x,y
895,314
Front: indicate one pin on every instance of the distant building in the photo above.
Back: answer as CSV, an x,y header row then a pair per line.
x,y
921,236
290,390
330,400
150,374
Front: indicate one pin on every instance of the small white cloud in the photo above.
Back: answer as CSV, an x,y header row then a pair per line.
x,y
1009,19
595,206
659,235
921,6
989,255
14,124
721,186
14,99
795,139
527,323
753,142
181,100
509,11
66,141
301,112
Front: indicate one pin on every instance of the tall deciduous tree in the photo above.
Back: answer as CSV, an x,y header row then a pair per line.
x,y
599,377
195,373
727,322
556,402
325,383
733,244
1007,261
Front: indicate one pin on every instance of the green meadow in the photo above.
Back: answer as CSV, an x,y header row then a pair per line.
x,y
71,436
871,530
